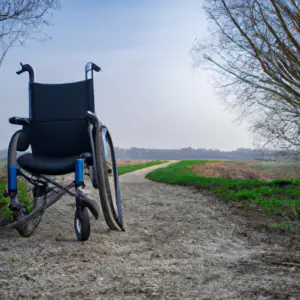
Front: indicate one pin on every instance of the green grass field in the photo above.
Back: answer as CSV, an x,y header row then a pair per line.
x,y
268,195
131,168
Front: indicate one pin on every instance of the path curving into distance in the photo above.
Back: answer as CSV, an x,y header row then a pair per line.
x,y
138,176
178,244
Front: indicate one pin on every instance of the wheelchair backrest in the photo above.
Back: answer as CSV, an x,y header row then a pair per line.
x,y
58,113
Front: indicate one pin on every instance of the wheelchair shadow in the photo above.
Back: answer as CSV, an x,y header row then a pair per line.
x,y
9,233
61,238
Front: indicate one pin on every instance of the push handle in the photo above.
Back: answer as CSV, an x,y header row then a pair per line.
x,y
20,72
95,67
29,69
91,67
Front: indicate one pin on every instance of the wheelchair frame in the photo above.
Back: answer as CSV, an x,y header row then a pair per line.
x,y
26,221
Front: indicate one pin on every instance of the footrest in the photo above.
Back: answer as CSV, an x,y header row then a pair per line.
x,y
25,218
18,207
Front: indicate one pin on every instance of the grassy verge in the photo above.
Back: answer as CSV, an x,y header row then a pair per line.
x,y
271,197
131,168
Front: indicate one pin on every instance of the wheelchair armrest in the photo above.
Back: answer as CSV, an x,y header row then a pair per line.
x,y
19,121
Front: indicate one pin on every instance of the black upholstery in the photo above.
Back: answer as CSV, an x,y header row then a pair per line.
x,y
47,165
58,132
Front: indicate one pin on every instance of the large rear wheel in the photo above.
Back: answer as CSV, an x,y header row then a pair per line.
x,y
27,229
108,179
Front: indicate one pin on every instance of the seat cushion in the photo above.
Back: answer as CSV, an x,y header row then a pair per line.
x,y
47,165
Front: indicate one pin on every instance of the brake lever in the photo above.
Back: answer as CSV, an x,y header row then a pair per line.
x,y
22,70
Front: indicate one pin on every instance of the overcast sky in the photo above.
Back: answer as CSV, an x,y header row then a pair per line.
x,y
148,93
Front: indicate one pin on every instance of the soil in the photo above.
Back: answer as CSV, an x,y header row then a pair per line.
x,y
242,170
179,244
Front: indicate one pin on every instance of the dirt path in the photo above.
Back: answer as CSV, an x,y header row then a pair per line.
x,y
179,244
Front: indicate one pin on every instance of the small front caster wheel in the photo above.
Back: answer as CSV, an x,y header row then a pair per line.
x,y
82,224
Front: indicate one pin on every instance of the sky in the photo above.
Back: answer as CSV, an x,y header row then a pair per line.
x,y
148,94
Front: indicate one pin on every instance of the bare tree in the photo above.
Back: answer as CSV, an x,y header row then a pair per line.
x,y
254,48
21,20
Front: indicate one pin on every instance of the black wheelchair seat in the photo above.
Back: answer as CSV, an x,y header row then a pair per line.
x,y
47,165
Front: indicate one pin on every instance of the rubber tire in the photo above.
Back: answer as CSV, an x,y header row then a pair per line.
x,y
103,181
117,211
12,161
85,231
24,231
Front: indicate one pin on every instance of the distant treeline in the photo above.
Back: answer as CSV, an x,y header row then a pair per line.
x,y
190,153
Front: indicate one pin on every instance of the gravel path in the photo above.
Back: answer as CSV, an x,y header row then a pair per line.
x,y
178,244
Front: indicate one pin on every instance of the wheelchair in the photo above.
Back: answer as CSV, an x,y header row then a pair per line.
x,y
65,137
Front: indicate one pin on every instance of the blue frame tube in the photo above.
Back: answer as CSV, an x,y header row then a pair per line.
x,y
79,171
12,179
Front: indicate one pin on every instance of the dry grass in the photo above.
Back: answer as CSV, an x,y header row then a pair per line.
x,y
249,170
